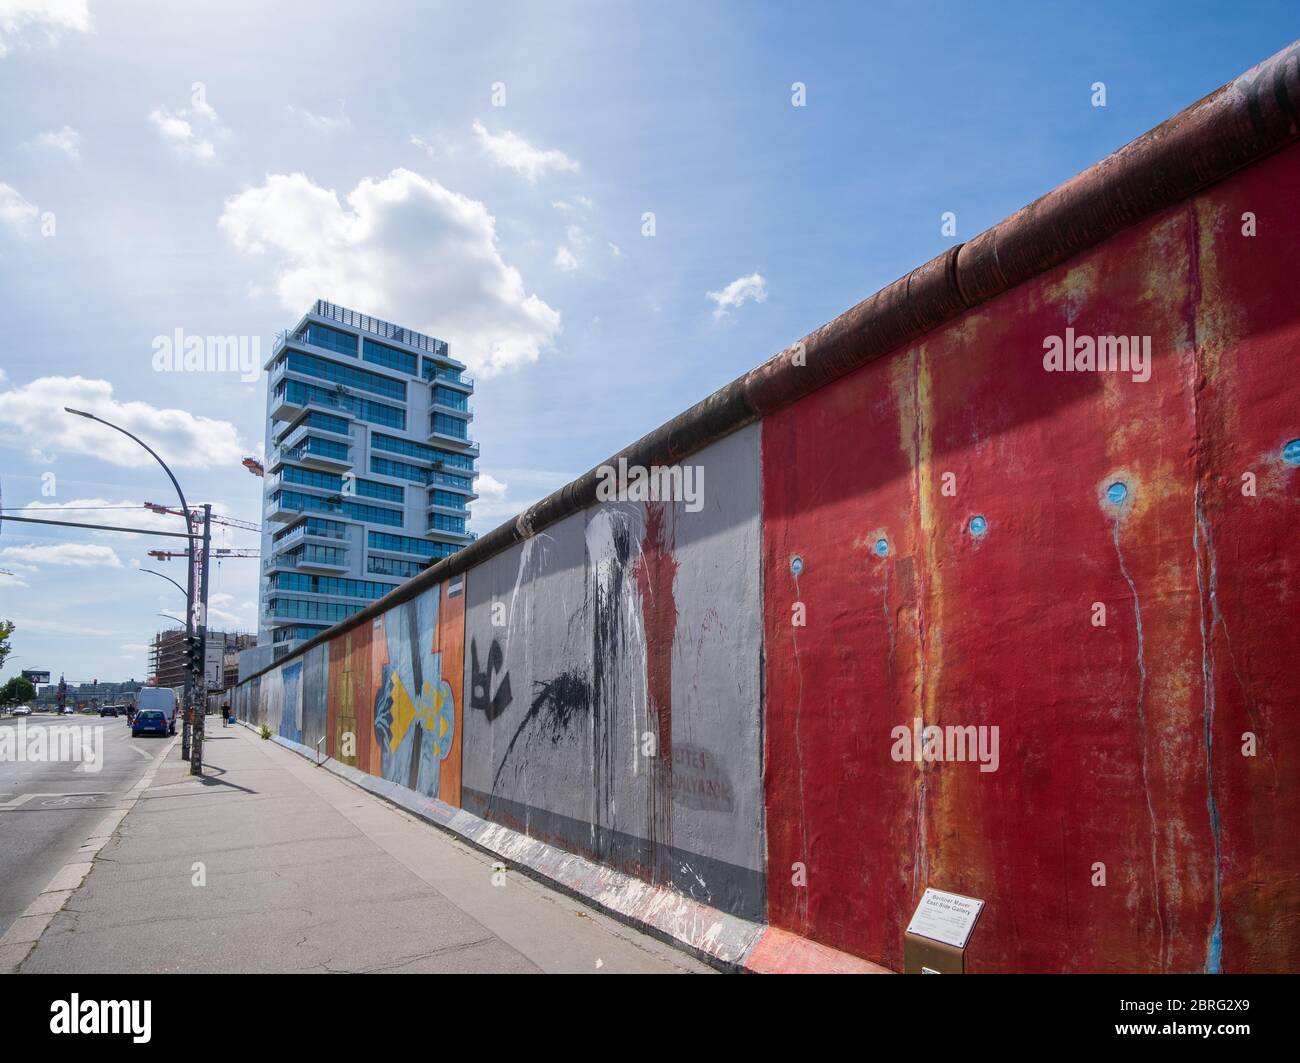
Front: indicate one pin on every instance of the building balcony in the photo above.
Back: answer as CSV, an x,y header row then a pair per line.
x,y
296,433
312,454
307,558
460,538
459,443
464,414
282,407
453,378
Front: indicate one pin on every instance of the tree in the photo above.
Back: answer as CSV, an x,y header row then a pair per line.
x,y
6,629
18,691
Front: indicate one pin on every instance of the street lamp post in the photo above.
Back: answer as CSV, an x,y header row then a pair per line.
x,y
167,578
189,593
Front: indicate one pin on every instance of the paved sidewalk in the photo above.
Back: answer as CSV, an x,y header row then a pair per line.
x,y
303,871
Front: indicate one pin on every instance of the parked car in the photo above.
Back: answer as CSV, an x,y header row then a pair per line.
x,y
150,721
108,710
69,711
161,698
23,710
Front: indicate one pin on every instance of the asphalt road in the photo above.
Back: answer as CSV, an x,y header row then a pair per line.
x,y
47,809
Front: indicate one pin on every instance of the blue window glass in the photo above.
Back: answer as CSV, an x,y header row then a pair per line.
x,y
347,375
389,357
296,500
337,585
295,474
419,450
406,544
327,423
374,489
448,425
301,609
295,631
331,338
390,566
446,498
457,400
300,393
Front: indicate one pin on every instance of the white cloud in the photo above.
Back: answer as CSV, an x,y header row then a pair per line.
x,y
223,609
511,151
498,500
11,579
404,248
67,140
16,213
121,513
323,123
61,628
615,251
33,416
192,131
566,258
77,555
181,135
436,145
737,293
20,19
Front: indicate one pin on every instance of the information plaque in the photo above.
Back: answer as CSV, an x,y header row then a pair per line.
x,y
936,938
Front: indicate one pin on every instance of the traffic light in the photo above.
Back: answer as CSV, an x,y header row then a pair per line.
x,y
193,655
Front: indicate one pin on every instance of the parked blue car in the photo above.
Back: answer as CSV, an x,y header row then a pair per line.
x,y
150,722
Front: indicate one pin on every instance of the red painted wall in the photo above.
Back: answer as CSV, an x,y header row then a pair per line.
x,y
1119,744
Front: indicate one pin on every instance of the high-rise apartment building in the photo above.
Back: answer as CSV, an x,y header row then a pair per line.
x,y
369,468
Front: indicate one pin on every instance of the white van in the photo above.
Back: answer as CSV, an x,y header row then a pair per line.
x,y
163,698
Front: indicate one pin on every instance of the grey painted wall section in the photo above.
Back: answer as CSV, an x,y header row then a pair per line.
x,y
315,689
599,620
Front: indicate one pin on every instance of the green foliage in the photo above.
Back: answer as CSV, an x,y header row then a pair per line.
x,y
6,629
266,731
18,691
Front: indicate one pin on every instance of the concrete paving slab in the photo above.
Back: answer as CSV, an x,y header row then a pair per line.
x,y
304,872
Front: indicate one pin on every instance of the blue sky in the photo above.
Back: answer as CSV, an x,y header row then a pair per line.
x,y
213,168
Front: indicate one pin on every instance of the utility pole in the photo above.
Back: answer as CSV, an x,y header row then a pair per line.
x,y
200,711
191,564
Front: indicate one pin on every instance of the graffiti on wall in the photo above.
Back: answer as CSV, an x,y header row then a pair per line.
x,y
415,707
394,693
488,699
615,687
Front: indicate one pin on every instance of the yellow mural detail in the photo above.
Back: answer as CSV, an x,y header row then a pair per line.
x,y
427,709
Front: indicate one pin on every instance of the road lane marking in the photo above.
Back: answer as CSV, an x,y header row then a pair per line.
x,y
26,930
24,798
143,752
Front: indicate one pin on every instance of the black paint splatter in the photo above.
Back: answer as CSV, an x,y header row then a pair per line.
x,y
558,703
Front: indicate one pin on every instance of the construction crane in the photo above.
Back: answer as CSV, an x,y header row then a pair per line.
x,y
218,552
230,522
